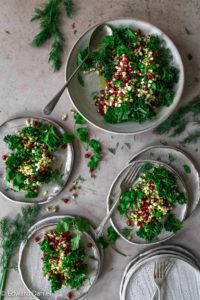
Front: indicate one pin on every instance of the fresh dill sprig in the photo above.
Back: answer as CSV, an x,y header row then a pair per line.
x,y
69,7
49,18
191,138
12,233
177,121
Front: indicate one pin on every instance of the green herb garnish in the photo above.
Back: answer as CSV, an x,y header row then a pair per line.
x,y
49,18
172,223
187,169
189,56
79,119
12,233
178,121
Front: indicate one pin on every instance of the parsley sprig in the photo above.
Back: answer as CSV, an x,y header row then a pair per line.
x,y
12,233
49,18
82,133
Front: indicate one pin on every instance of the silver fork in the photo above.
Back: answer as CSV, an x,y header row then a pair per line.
x,y
161,271
124,186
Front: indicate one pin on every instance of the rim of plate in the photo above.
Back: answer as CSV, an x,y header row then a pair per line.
x,y
173,148
41,224
179,91
141,262
108,198
173,249
71,148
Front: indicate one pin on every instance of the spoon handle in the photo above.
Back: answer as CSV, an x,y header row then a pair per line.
x,y
50,106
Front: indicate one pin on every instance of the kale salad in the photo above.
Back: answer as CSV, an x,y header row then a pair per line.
x,y
65,255
30,163
138,72
148,205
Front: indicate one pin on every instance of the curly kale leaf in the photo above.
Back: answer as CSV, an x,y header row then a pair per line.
x,y
150,231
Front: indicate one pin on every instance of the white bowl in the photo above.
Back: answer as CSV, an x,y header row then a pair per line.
x,y
81,97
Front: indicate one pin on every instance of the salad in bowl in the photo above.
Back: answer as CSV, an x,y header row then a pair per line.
x,y
132,83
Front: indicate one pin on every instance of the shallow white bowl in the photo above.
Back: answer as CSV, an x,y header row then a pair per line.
x,y
81,97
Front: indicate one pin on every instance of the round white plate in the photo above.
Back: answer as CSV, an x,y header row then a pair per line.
x,y
119,222
176,158
169,249
30,264
182,282
82,96
63,162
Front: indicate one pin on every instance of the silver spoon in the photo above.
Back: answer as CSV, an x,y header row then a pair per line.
x,y
94,45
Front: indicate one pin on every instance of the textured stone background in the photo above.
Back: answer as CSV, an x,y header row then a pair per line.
x,y
27,83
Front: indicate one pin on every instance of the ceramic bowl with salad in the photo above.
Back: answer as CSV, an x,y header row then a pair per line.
x,y
60,259
132,83
153,208
36,159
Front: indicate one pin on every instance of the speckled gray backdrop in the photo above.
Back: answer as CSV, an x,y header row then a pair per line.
x,y
27,83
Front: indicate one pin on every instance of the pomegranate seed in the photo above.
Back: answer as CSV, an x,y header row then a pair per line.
x,y
121,94
155,54
151,187
142,44
64,146
146,88
70,295
45,147
65,200
35,123
113,104
139,223
33,178
114,94
89,245
150,77
37,238
4,157
91,171
150,63
66,235
118,76
87,155
125,59
128,222
102,92
101,109
30,146
138,31
125,80
60,277
44,254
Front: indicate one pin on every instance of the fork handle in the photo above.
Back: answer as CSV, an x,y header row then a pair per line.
x,y
100,228
157,292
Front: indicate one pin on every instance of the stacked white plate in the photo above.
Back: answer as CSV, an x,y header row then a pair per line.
x,y
181,283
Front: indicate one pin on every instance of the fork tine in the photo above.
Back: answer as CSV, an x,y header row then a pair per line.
x,y
131,175
131,170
